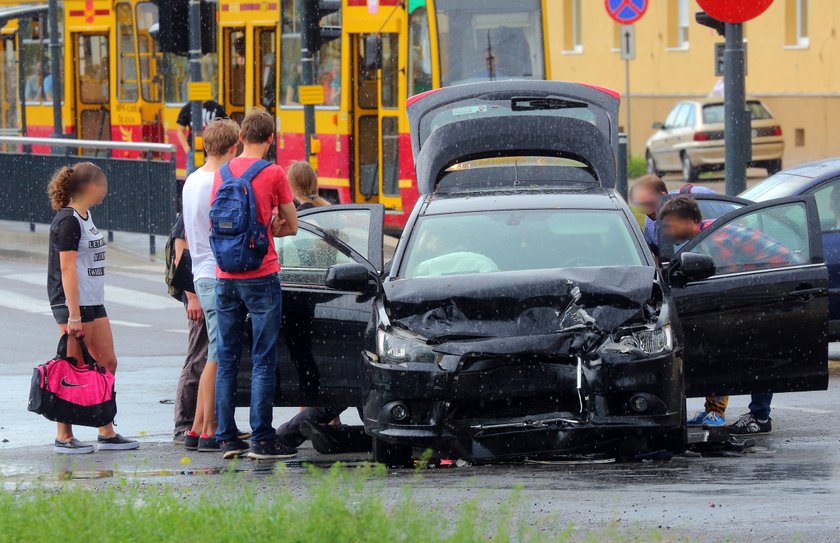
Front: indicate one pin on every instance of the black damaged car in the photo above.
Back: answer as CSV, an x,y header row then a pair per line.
x,y
522,314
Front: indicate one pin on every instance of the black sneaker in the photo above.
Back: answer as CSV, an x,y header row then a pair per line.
x,y
208,444
233,448
336,439
190,441
116,443
271,450
747,424
72,446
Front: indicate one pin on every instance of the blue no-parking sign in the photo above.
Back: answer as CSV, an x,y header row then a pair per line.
x,y
626,11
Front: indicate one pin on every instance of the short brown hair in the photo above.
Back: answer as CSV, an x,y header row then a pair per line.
x,y
68,181
652,182
219,136
257,126
683,206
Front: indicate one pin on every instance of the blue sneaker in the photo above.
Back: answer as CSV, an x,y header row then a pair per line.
x,y
713,420
697,420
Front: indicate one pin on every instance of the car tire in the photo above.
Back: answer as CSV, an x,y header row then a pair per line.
x,y
675,440
650,165
773,166
689,171
393,456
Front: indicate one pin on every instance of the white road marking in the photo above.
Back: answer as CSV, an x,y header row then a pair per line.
x,y
130,324
113,294
178,330
21,302
784,407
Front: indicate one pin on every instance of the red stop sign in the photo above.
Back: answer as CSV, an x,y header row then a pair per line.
x,y
734,11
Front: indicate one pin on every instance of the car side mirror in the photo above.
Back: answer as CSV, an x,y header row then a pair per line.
x,y
658,126
351,276
373,52
691,267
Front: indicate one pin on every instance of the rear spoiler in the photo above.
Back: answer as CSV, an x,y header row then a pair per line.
x,y
492,137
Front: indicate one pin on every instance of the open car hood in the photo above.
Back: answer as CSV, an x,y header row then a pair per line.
x,y
515,118
563,311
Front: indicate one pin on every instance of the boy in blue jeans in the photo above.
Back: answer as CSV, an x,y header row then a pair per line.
x,y
257,292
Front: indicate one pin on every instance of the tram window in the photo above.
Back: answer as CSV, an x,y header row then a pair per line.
x,y
390,156
482,40
147,15
127,88
390,69
35,40
267,69
175,83
327,60
9,85
419,52
236,67
92,62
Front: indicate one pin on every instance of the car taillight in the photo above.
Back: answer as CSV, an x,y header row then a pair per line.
x,y
776,131
702,136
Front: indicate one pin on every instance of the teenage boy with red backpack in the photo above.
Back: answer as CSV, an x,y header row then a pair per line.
x,y
251,204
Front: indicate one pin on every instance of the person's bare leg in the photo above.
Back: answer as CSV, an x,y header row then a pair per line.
x,y
100,342
207,402
64,432
198,421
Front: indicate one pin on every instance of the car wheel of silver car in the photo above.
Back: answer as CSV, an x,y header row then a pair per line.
x,y
689,171
651,165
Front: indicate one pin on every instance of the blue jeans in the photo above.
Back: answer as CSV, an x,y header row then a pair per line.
x,y
760,405
262,299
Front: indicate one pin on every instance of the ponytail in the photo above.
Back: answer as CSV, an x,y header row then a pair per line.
x,y
304,182
69,180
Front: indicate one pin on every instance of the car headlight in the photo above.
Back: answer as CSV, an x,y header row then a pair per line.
x,y
653,341
399,347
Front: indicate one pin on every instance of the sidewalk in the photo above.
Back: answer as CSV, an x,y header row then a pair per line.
x,y
128,249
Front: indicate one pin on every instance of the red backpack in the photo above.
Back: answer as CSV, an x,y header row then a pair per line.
x,y
64,391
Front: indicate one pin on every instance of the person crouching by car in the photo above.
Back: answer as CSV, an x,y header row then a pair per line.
x,y
76,285
304,183
681,220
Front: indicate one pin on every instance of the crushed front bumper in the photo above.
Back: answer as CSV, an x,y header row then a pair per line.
x,y
508,407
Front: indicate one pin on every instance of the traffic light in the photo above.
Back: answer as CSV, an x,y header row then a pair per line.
x,y
174,29
315,34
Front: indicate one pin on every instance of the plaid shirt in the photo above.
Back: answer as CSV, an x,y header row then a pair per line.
x,y
737,248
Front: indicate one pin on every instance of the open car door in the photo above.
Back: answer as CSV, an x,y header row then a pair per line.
x,y
712,206
323,329
760,323
517,118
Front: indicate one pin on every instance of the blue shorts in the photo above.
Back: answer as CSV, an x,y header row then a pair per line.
x,y
205,289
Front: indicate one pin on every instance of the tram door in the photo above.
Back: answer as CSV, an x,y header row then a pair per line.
x,y
376,122
265,76
234,76
92,86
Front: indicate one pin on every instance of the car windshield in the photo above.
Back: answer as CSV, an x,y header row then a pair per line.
x,y
485,40
777,186
517,240
713,113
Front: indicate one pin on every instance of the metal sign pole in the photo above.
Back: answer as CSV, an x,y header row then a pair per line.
x,y
627,86
197,126
628,53
737,124
55,68
307,63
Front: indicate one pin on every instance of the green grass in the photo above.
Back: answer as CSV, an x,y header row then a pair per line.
x,y
335,506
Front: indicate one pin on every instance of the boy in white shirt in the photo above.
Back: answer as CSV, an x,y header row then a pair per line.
x,y
221,138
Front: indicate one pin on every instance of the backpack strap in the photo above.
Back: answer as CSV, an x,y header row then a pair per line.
x,y
225,172
254,170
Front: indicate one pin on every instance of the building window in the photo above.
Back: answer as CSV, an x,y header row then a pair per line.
x,y
572,42
678,16
796,23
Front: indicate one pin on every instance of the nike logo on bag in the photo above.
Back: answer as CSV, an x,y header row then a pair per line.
x,y
64,383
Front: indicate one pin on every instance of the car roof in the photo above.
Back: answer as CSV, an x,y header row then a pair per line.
x,y
826,167
438,203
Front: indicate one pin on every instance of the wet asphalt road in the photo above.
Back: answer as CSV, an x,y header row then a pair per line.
x,y
786,488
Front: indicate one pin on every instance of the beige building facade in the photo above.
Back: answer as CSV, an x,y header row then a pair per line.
x,y
793,65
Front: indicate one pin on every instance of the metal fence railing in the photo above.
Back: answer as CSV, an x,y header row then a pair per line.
x,y
142,191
